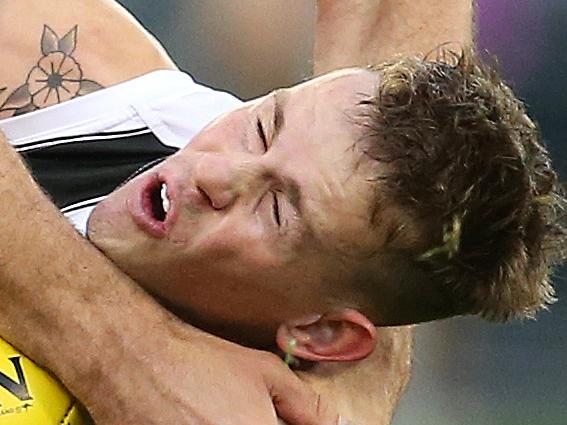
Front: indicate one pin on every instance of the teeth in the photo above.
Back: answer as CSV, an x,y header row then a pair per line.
x,y
164,199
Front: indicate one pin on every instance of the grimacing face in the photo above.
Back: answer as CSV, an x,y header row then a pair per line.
x,y
269,211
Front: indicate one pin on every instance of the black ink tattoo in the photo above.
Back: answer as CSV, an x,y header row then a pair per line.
x,y
55,78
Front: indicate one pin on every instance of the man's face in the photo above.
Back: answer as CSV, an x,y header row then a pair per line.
x,y
269,209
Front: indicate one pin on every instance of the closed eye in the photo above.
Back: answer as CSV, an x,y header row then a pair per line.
x,y
276,209
262,134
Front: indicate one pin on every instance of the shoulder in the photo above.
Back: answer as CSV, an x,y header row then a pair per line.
x,y
77,46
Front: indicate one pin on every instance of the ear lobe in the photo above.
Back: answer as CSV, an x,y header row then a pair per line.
x,y
343,335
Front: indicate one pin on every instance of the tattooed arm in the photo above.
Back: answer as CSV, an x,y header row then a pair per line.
x,y
53,51
55,78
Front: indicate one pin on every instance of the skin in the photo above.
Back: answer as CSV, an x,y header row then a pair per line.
x,y
367,32
74,297
71,303
223,252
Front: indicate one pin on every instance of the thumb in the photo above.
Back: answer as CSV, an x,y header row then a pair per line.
x,y
297,403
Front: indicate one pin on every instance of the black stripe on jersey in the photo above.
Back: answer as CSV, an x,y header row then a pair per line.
x,y
93,201
38,144
76,172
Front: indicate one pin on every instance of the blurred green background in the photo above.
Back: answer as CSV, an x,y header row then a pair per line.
x,y
466,372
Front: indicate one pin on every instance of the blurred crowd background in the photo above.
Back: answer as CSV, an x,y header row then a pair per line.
x,y
465,371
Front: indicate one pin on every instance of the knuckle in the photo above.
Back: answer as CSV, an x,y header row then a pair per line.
x,y
269,359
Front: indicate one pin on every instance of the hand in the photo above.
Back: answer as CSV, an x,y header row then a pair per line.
x,y
188,377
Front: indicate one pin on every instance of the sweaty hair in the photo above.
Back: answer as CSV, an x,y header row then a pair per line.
x,y
466,163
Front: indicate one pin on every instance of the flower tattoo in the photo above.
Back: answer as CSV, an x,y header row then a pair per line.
x,y
57,77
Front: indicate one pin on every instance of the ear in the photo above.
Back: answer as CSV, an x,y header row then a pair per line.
x,y
342,335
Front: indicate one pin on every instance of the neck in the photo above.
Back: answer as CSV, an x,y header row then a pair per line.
x,y
248,334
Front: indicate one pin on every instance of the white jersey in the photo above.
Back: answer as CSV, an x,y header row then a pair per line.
x,y
82,149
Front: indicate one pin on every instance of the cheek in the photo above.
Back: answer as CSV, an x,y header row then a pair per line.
x,y
232,244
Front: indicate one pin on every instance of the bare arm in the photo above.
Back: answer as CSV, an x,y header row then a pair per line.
x,y
358,33
111,45
364,32
66,306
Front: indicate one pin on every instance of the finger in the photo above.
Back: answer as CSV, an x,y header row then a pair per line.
x,y
297,404
340,421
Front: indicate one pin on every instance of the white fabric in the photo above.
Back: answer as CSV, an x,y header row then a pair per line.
x,y
170,103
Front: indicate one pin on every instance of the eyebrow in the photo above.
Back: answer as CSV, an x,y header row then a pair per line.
x,y
295,196
278,117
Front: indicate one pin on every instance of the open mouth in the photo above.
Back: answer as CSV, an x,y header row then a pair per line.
x,y
159,202
153,209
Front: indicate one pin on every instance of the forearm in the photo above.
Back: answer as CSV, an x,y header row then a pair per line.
x,y
365,32
62,302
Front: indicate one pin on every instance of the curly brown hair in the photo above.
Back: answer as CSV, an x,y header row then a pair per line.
x,y
467,164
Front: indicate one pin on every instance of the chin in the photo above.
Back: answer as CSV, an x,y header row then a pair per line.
x,y
108,229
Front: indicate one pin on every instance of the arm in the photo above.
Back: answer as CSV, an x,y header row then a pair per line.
x,y
358,33
103,44
112,45
364,32
66,306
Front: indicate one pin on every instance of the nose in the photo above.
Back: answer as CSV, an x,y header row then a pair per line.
x,y
223,178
